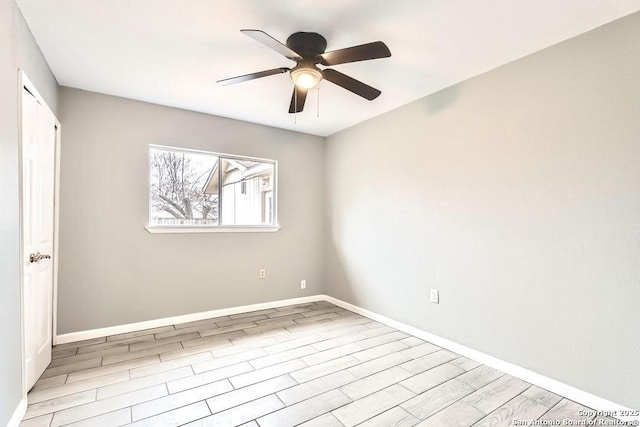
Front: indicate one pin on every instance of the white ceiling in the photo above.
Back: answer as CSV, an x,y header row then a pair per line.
x,y
171,52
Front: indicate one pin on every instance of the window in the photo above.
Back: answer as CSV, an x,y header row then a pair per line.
x,y
202,191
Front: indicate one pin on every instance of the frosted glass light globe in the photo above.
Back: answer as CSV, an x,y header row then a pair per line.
x,y
306,78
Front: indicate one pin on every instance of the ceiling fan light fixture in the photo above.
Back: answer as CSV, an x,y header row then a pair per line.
x,y
306,77
308,49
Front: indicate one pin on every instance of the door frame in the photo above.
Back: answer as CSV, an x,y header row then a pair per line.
x,y
25,84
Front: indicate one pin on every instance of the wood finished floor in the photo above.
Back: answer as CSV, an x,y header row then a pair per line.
x,y
311,364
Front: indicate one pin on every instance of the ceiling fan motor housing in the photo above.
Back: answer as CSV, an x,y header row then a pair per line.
x,y
307,45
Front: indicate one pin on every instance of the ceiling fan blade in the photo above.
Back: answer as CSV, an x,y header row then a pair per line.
x,y
363,52
351,84
246,77
270,42
298,98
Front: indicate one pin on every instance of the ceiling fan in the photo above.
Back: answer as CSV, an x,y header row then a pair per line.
x,y
308,50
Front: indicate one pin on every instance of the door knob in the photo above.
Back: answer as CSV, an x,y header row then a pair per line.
x,y
38,256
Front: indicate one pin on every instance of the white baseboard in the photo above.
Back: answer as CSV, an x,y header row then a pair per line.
x,y
18,414
554,386
156,323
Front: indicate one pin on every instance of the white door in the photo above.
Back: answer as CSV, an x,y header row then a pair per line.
x,y
38,184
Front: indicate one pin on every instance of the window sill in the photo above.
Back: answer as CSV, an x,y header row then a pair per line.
x,y
226,229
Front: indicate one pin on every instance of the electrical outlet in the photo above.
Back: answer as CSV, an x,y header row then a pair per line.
x,y
263,273
435,296
303,284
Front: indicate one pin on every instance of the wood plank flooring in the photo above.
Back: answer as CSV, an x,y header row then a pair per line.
x,y
311,365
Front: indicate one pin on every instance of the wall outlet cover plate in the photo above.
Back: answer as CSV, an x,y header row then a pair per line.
x,y
434,296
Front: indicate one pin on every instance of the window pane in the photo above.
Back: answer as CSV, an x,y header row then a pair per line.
x,y
247,192
184,188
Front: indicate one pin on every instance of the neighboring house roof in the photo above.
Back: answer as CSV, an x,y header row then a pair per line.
x,y
248,168
211,184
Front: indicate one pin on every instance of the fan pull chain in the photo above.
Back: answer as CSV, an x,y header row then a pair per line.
x,y
318,105
295,104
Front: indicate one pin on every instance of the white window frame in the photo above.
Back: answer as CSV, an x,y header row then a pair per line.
x,y
172,229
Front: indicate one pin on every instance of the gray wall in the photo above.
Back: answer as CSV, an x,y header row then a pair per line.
x,y
18,50
113,272
517,194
